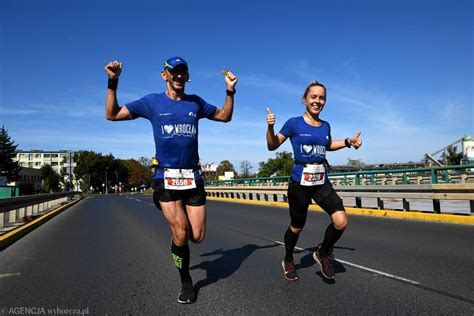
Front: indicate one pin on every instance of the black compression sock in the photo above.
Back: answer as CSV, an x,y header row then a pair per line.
x,y
181,261
331,236
290,242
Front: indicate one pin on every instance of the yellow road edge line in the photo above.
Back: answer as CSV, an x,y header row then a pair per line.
x,y
458,219
37,220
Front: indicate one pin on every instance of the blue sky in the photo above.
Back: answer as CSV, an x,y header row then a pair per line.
x,y
399,71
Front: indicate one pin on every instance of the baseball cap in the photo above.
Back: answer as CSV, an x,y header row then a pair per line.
x,y
172,62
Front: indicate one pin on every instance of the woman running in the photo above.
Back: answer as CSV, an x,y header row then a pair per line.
x,y
310,137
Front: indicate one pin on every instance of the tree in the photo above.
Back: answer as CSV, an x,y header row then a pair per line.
x,y
451,156
223,167
93,168
51,179
355,163
8,167
245,167
282,165
138,171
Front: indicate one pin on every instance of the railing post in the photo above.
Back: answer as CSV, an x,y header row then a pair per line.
x,y
406,205
471,204
265,197
405,178
275,197
357,179
250,196
436,206
446,176
358,201
380,203
434,176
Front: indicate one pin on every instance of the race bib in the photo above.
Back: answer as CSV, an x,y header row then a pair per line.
x,y
179,179
313,175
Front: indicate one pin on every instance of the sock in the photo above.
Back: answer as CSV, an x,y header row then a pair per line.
x,y
290,242
331,236
181,260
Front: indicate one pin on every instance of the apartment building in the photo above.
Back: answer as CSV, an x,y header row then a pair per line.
x,y
60,160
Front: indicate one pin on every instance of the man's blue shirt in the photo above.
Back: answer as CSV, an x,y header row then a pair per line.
x,y
175,128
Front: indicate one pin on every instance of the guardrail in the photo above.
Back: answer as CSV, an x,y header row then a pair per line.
x,y
15,211
361,194
418,176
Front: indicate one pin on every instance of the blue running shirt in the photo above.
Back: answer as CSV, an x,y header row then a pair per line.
x,y
309,142
175,128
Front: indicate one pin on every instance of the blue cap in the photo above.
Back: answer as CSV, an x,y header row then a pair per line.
x,y
172,62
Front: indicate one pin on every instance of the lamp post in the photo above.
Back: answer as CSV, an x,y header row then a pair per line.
x,y
106,184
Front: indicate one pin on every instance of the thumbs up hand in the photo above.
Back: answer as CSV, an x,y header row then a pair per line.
x,y
270,117
355,141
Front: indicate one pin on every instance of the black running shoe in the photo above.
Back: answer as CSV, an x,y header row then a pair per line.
x,y
289,270
187,295
325,265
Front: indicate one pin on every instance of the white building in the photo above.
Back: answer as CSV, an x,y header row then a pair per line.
x,y
62,161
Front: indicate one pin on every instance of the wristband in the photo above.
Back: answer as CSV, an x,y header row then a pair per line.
x,y
230,93
346,142
112,84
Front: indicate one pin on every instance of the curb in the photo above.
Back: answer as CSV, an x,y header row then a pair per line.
x,y
13,235
445,218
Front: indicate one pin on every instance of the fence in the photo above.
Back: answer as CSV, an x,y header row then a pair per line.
x,y
434,184
14,211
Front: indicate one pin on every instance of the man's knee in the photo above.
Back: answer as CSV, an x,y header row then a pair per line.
x,y
198,237
179,236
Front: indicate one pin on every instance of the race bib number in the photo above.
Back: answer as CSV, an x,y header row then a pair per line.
x,y
313,175
179,179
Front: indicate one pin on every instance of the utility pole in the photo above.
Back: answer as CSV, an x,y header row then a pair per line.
x,y
106,184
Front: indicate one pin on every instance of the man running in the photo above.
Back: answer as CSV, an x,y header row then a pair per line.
x,y
178,184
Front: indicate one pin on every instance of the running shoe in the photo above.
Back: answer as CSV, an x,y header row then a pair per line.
x,y
187,295
289,270
325,264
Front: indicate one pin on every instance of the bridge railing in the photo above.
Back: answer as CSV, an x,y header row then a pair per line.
x,y
434,175
405,185
17,210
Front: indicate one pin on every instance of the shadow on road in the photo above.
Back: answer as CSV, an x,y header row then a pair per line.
x,y
224,266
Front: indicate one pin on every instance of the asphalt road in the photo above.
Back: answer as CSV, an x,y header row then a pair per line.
x,y
111,255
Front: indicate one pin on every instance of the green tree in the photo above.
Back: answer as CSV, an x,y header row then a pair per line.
x,y
224,166
8,167
51,179
451,156
92,168
282,165
355,163
139,172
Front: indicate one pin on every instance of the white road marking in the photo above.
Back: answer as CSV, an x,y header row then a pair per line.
x,y
388,275
6,275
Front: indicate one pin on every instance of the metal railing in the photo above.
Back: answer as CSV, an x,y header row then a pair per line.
x,y
434,175
406,185
16,210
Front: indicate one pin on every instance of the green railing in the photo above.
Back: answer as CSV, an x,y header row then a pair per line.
x,y
446,174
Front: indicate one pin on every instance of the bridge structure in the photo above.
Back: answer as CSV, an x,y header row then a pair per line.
x,y
110,254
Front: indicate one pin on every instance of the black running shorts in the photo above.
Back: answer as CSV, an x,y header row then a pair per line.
x,y
299,198
191,197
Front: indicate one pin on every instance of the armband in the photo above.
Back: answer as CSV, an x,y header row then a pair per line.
x,y
112,84
346,142
230,93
